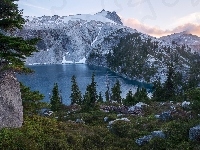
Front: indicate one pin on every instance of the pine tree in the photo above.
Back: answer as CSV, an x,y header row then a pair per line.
x,y
116,92
55,100
75,92
141,95
169,86
107,95
158,91
31,101
91,96
130,99
100,98
13,49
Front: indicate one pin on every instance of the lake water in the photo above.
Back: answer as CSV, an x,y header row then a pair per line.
x,y
46,75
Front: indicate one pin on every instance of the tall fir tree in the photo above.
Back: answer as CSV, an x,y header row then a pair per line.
x,y
141,95
13,49
100,98
116,92
56,99
130,99
91,96
75,92
169,86
158,91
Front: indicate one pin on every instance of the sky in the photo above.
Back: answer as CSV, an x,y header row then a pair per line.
x,y
154,17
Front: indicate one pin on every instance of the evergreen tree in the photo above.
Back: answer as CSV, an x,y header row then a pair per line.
x,y
31,100
75,92
13,49
141,95
130,99
116,92
91,96
158,91
169,86
100,98
194,77
107,95
55,100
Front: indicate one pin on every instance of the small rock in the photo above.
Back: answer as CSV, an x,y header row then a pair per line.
x,y
105,119
159,134
79,121
165,115
157,116
119,115
144,140
123,119
185,104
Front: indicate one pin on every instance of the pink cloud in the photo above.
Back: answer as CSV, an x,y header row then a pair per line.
x,y
192,28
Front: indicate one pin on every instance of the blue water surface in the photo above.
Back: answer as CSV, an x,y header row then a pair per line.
x,y
45,76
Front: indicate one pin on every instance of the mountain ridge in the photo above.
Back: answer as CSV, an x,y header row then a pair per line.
x,y
97,40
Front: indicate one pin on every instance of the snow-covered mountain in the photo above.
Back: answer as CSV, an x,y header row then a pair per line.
x,y
70,38
102,39
184,38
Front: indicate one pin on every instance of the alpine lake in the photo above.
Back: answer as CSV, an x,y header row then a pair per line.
x,y
45,76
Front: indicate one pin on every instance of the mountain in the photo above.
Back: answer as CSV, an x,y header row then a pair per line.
x,y
183,38
101,39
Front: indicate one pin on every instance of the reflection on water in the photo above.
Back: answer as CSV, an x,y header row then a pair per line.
x,y
46,75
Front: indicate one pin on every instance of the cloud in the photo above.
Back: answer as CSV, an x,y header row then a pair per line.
x,y
192,18
193,28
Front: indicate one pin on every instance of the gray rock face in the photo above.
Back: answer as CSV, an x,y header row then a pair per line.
x,y
11,109
194,133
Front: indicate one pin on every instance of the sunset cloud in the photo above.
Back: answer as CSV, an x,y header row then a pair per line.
x,y
193,28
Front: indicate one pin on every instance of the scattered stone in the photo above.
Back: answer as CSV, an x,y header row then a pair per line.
x,y
164,116
194,133
119,115
48,112
157,116
123,119
105,119
185,104
159,134
144,140
141,104
80,121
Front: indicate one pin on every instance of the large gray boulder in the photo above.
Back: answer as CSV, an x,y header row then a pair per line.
x,y
11,109
194,133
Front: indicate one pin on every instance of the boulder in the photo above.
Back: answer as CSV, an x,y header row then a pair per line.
x,y
194,133
159,134
80,121
105,119
11,109
185,104
144,140
165,115
122,119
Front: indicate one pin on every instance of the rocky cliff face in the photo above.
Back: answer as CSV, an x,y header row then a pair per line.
x,y
11,109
